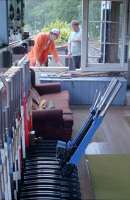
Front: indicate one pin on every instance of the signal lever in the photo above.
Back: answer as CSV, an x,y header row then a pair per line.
x,y
70,153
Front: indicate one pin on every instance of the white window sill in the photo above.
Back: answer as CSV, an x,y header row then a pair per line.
x,y
106,67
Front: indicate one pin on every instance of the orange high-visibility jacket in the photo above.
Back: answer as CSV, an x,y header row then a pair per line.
x,y
42,46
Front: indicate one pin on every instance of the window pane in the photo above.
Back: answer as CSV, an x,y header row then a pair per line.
x,y
129,50
105,31
105,10
94,30
112,11
111,32
94,10
94,52
104,53
113,53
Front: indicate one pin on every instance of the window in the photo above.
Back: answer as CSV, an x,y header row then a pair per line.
x,y
128,31
106,31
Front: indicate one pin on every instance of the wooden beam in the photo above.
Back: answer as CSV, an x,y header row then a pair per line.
x,y
4,39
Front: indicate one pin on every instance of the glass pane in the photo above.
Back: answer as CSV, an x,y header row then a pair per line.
x,y
94,31
112,11
129,50
105,10
104,53
94,10
112,53
94,52
111,32
105,31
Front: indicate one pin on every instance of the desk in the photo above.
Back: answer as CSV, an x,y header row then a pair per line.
x,y
82,89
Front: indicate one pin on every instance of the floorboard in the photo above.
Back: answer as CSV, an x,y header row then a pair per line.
x,y
112,138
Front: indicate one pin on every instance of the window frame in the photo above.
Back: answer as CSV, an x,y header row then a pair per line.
x,y
122,66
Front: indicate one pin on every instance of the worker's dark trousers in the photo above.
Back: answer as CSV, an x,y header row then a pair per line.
x,y
76,62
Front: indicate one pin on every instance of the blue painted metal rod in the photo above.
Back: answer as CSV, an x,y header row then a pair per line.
x,y
77,147
75,158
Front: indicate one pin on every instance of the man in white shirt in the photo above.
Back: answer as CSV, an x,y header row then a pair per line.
x,y
74,44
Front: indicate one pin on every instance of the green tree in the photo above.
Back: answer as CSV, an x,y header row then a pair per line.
x,y
94,15
39,13
64,29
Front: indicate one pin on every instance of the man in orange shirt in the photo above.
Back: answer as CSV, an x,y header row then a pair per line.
x,y
44,44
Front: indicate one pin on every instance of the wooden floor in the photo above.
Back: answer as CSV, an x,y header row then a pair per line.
x,y
113,137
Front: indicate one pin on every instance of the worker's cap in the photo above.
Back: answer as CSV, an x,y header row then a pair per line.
x,y
55,31
74,22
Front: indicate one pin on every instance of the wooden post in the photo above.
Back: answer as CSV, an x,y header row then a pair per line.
x,y
124,32
4,37
84,43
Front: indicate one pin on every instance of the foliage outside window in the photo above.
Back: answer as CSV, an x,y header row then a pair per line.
x,y
41,13
65,30
105,24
